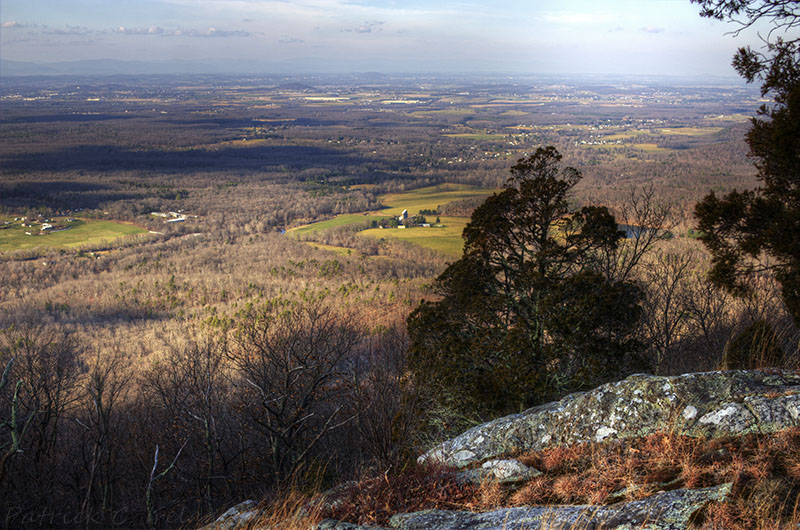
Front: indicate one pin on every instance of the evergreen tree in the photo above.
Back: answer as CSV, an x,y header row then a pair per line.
x,y
526,314
748,232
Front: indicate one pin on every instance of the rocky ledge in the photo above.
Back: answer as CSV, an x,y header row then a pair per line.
x,y
708,404
670,510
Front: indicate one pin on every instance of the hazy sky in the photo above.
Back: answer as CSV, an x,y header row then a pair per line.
x,y
556,36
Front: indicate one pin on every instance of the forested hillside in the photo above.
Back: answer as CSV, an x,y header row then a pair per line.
x,y
210,353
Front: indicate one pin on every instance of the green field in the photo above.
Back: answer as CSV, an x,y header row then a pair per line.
x,y
339,220
344,251
653,148
647,148
429,198
690,131
81,232
445,238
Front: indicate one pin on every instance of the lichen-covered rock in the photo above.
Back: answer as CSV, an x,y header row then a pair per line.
x,y
700,404
669,510
238,516
503,471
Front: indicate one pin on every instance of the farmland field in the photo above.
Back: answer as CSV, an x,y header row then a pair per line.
x,y
445,238
80,232
429,198
339,220
690,131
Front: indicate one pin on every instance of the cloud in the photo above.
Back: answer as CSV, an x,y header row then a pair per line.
x,y
158,31
212,32
290,40
12,25
67,30
366,27
152,30
617,29
652,29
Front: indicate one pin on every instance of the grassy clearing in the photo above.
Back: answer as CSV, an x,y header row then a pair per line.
x,y
344,251
646,147
445,239
429,198
81,232
339,220
737,118
652,148
690,131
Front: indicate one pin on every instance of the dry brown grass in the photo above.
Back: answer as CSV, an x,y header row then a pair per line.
x,y
293,510
373,500
764,471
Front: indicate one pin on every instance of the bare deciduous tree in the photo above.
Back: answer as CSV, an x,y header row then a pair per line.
x,y
191,384
292,362
646,221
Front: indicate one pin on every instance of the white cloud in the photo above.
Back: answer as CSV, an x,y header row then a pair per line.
x,y
367,27
652,29
158,31
212,32
152,30
12,25
67,30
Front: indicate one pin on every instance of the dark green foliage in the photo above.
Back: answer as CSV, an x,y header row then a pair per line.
x,y
525,314
742,228
756,347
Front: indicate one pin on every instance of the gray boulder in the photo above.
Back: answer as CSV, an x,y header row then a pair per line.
x,y
508,471
669,510
238,516
709,404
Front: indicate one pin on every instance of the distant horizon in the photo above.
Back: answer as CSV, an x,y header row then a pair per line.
x,y
115,67
624,37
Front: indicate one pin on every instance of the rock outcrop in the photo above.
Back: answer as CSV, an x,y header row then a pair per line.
x,y
709,404
670,510
236,517
507,471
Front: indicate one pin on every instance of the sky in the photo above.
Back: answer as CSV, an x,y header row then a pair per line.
x,y
630,37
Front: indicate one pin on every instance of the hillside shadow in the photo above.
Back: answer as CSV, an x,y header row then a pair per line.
x,y
112,158
66,118
61,194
